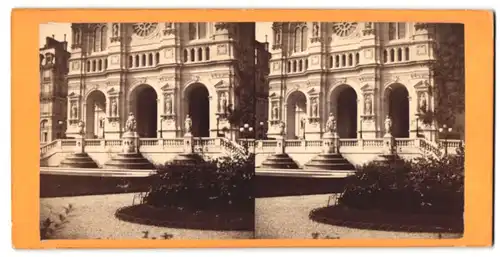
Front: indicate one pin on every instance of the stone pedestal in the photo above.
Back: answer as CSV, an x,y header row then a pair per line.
x,y
330,158
189,157
130,157
79,159
279,160
388,154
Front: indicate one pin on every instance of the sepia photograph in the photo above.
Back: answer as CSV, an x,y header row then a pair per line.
x,y
242,130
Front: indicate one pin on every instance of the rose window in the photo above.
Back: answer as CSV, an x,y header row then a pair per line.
x,y
144,29
344,29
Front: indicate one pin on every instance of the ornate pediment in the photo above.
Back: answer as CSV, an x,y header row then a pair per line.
x,y
221,84
166,87
73,95
422,85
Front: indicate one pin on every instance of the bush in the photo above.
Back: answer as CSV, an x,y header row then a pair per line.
x,y
220,184
425,185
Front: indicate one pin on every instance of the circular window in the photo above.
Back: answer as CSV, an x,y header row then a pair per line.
x,y
344,29
144,29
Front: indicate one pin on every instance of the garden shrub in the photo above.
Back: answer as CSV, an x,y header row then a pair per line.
x,y
424,185
224,183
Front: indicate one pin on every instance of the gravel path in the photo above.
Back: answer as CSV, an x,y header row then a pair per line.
x,y
288,217
93,217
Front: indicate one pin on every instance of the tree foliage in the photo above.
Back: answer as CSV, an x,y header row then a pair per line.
x,y
448,71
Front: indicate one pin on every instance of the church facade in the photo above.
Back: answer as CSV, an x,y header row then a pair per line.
x,y
362,73
161,73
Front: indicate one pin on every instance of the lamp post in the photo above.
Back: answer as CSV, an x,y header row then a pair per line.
x,y
161,126
445,130
261,128
245,131
103,126
61,123
361,129
217,118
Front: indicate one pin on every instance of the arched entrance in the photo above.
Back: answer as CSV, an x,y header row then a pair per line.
x,y
398,108
198,108
296,113
95,114
143,103
345,109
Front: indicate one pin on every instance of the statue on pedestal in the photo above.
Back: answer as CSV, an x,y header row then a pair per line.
x,y
275,115
315,29
388,125
81,128
423,103
331,124
114,109
282,128
314,108
74,111
222,102
131,123
168,104
188,123
368,105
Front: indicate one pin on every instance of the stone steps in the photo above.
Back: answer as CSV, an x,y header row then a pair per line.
x,y
329,161
279,161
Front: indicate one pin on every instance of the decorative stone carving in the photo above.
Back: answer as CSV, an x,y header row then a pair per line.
x,y
388,125
169,29
115,29
281,127
368,104
275,111
81,128
369,29
168,104
114,108
187,124
221,49
74,110
131,124
423,102
222,105
314,108
315,29
331,124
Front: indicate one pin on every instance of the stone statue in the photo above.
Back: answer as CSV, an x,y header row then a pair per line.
x,y
222,102
302,123
275,112
188,123
388,124
74,110
282,128
131,124
114,109
331,124
423,102
314,108
368,105
81,127
115,29
315,30
168,104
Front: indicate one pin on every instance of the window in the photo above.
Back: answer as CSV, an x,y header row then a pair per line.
x,y
105,64
150,61
137,61
130,61
307,64
385,56
88,66
331,62
397,30
104,38
304,39
200,54
357,58
343,60
157,58
297,39
197,30
185,55
392,55
93,65
99,65
337,61
400,54
207,53
294,66
350,59
192,55
97,39
300,65
407,53
143,60
289,66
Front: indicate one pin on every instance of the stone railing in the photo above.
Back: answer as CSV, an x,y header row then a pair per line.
x,y
231,146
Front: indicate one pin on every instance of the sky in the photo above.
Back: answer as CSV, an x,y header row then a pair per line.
x,y
59,29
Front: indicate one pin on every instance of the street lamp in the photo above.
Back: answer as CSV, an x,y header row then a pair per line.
x,y
103,125
445,130
161,126
245,131
261,128
61,123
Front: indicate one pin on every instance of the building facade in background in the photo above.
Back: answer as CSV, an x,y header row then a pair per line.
x,y
163,72
53,89
361,72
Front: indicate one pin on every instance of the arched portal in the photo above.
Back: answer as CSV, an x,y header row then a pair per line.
x,y
95,114
143,103
398,108
345,108
198,108
296,113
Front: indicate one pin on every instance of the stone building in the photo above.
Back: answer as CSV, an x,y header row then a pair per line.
x,y
361,72
160,72
53,89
